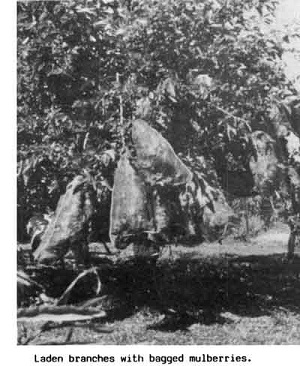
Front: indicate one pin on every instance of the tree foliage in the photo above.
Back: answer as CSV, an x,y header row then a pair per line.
x,y
202,72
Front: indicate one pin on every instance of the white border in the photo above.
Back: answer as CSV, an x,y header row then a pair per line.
x,y
12,354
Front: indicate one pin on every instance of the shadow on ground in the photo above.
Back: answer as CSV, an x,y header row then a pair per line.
x,y
200,290
190,290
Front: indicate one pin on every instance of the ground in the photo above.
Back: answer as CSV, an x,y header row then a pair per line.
x,y
212,294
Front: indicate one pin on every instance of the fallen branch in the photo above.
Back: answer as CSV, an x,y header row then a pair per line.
x,y
24,280
94,302
57,317
65,296
33,313
62,318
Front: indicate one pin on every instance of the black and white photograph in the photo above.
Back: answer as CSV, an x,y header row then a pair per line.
x,y
158,173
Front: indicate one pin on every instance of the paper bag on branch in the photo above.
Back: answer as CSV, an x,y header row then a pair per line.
x,y
69,225
155,158
131,205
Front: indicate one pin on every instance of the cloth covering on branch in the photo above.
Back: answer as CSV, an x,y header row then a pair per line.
x,y
155,196
130,209
155,200
155,158
69,226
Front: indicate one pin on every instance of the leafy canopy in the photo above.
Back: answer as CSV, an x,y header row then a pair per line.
x,y
203,72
